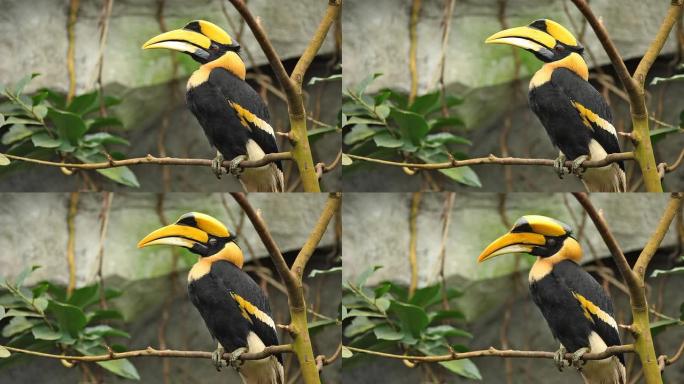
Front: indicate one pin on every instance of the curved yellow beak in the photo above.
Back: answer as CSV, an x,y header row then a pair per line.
x,y
523,37
182,40
512,242
174,234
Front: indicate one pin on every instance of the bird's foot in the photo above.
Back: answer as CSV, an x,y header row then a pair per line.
x,y
234,167
559,165
577,168
217,358
234,359
559,358
217,165
577,361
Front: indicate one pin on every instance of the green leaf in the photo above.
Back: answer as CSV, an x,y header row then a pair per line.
x,y
41,303
4,160
346,160
463,175
43,332
320,323
464,367
100,122
16,133
103,314
443,122
81,104
359,133
17,325
446,138
21,84
363,277
346,353
382,111
2,120
69,125
425,104
105,331
122,367
386,140
40,111
411,125
412,318
19,281
56,99
122,175
657,80
21,120
2,312
657,134
447,331
358,326
314,80
424,296
362,313
382,303
360,88
446,315
657,272
355,120
661,325
5,353
70,318
316,132
385,332
43,140
13,312
38,98
84,296
315,272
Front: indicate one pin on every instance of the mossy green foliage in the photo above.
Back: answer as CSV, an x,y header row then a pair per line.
x,y
46,318
44,125
387,317
388,126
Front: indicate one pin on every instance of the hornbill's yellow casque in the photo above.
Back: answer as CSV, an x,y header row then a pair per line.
x,y
233,116
232,305
575,115
576,308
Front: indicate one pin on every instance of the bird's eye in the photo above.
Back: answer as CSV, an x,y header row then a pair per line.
x,y
214,47
551,242
560,48
212,242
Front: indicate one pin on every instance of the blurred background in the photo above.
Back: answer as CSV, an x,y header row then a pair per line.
x,y
144,91
489,304
145,292
486,87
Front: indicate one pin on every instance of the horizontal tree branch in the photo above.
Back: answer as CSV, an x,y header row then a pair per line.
x,y
492,159
149,159
493,352
151,352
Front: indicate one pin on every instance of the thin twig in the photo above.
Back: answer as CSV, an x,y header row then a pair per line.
x,y
492,159
413,241
71,241
151,352
149,159
493,352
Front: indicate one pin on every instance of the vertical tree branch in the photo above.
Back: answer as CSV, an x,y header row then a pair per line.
x,y
71,241
298,326
71,37
413,241
643,151
413,48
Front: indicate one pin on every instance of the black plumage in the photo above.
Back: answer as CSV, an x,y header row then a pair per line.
x,y
211,295
554,295
210,102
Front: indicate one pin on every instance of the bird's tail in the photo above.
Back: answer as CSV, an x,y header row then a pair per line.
x,y
264,371
606,371
610,178
268,178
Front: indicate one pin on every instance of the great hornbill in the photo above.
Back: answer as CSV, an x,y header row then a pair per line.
x,y
576,308
575,115
233,116
232,305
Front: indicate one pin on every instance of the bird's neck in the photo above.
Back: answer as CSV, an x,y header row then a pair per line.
x,y
573,62
230,253
570,250
230,61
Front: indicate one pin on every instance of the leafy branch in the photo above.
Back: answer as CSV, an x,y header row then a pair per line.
x,y
292,85
292,278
